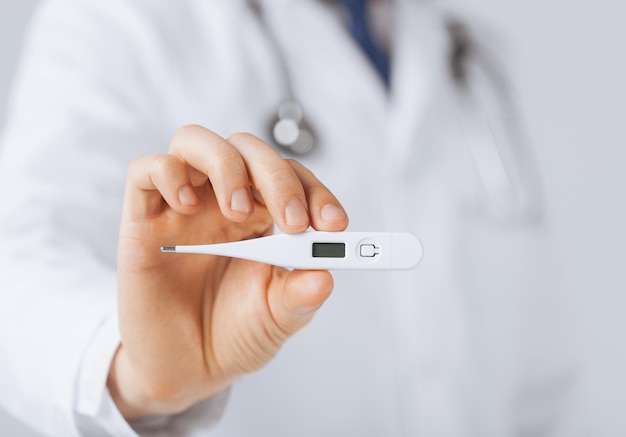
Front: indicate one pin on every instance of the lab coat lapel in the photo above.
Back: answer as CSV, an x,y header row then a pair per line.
x,y
327,66
418,70
419,73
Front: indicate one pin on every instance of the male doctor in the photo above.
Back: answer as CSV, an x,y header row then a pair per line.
x,y
138,124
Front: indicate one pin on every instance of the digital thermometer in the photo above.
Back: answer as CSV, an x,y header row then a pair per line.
x,y
315,250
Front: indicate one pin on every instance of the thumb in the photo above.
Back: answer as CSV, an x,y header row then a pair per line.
x,y
303,292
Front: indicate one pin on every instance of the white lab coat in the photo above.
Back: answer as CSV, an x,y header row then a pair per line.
x,y
449,349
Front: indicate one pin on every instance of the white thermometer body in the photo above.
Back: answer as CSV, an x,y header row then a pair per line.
x,y
321,250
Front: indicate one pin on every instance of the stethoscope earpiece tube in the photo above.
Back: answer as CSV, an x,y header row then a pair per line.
x,y
288,128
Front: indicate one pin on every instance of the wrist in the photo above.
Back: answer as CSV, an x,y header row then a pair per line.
x,y
135,401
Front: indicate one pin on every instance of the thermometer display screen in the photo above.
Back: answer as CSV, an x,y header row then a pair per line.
x,y
329,250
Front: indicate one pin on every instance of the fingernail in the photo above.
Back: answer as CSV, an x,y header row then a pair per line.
x,y
240,200
332,212
295,213
187,196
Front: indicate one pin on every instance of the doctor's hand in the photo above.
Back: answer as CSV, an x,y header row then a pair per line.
x,y
191,324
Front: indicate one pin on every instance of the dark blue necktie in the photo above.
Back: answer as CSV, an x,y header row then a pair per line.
x,y
360,30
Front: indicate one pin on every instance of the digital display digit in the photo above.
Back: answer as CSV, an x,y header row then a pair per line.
x,y
329,250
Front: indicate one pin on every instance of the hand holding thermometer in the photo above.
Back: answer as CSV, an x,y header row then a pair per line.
x,y
315,250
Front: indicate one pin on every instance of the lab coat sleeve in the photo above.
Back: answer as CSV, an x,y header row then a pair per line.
x,y
82,108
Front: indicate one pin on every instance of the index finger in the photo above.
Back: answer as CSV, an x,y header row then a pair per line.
x,y
325,211
275,179
215,158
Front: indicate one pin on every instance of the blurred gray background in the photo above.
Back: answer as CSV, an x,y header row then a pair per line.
x,y
569,60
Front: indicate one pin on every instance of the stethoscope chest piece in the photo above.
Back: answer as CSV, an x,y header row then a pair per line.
x,y
290,131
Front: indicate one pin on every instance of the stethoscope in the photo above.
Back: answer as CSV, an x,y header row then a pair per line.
x,y
492,122
487,112
288,128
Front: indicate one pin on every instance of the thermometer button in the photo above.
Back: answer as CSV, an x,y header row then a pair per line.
x,y
368,250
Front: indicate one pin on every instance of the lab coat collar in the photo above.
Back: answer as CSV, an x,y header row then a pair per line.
x,y
310,31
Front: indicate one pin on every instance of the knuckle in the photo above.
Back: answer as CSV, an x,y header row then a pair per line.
x,y
280,175
133,167
307,176
294,163
184,135
241,137
319,192
228,160
165,164
187,130
140,167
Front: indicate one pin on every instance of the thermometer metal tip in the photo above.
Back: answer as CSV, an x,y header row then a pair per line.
x,y
316,250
